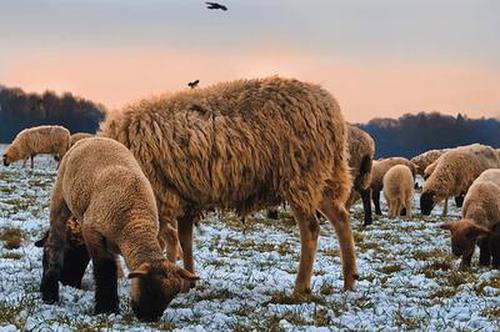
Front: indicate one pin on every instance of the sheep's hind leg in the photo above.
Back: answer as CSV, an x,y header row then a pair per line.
x,y
105,275
367,207
53,251
495,250
445,208
376,201
339,218
309,232
185,230
484,252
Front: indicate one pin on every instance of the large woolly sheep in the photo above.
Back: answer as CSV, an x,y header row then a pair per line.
x,y
244,145
78,136
28,143
361,152
455,172
480,221
379,168
398,190
423,160
102,185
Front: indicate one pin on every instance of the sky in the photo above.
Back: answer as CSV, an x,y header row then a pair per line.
x,y
378,58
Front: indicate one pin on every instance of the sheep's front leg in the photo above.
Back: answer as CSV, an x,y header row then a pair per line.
x,y
32,158
466,259
445,209
185,230
484,252
106,288
309,232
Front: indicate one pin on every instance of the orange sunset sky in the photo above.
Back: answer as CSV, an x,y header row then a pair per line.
x,y
379,58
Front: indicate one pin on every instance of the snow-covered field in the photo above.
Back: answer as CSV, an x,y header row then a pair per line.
x,y
409,280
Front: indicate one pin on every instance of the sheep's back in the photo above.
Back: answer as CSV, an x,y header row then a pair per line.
x,y
237,144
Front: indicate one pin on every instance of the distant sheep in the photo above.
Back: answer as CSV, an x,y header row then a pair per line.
x,y
380,167
78,136
244,145
398,190
101,184
361,152
480,222
28,143
455,172
423,160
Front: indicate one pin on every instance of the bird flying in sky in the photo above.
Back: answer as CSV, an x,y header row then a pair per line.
x,y
215,5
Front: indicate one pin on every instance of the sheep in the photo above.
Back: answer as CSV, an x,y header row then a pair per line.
x,y
102,185
480,222
361,152
379,168
455,172
78,136
398,189
30,142
244,145
423,160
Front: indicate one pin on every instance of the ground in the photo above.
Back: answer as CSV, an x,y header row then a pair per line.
x,y
408,278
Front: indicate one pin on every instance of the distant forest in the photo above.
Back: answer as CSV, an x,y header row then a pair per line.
x,y
412,134
406,136
19,110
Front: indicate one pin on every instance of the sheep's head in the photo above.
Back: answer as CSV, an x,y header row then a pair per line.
x,y
464,234
427,202
154,286
10,155
459,200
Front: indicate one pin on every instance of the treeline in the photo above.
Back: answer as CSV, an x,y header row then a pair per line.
x,y
412,134
19,110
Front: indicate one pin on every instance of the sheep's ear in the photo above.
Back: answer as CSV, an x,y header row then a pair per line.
x,y
141,272
185,274
448,226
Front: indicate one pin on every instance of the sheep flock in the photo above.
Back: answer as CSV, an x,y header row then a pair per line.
x,y
160,193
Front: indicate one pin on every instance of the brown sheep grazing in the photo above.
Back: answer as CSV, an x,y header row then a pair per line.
x,y
361,152
79,136
245,145
102,185
28,143
398,190
423,160
480,222
455,172
380,167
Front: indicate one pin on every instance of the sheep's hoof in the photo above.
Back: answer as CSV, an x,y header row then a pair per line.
x,y
50,291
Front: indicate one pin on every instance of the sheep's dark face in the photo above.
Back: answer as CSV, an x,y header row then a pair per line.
x,y
459,200
154,286
6,160
427,202
464,235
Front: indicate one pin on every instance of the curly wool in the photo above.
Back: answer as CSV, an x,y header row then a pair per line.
x,y
245,145
422,161
78,136
381,166
398,189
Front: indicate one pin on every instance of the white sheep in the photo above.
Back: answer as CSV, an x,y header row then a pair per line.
x,y
398,190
